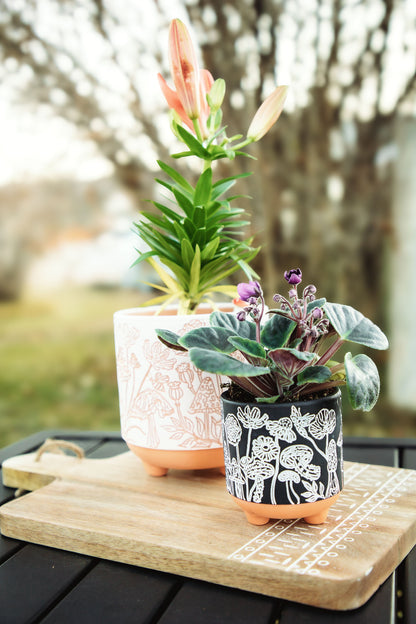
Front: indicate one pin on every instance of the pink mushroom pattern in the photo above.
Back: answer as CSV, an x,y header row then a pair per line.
x,y
165,402
280,454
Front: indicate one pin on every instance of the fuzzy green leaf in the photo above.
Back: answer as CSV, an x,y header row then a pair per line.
x,y
250,347
210,338
318,303
363,382
169,339
277,331
221,364
244,329
314,374
353,326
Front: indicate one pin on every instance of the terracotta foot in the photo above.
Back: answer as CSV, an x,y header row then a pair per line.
x,y
155,471
222,470
255,519
318,518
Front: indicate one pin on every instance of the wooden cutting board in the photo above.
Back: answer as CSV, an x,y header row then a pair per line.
x,y
187,524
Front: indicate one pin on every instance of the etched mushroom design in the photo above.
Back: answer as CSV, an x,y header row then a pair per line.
x,y
289,477
333,482
258,471
281,429
232,429
236,477
298,457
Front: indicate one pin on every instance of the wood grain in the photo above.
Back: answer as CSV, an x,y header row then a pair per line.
x,y
187,524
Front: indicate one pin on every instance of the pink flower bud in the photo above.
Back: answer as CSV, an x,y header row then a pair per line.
x,y
184,69
268,113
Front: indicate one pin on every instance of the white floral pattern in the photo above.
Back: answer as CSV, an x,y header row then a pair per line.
x,y
291,459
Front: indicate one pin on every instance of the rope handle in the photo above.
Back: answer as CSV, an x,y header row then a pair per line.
x,y
57,446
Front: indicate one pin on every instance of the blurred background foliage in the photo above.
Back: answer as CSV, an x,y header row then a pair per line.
x,y
83,122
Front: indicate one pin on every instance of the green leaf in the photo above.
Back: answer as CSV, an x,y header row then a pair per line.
x,y
363,382
203,188
219,189
210,249
195,271
187,253
277,331
221,364
143,256
250,347
184,203
172,173
353,326
318,303
169,339
244,329
194,145
210,338
271,399
199,218
170,214
314,374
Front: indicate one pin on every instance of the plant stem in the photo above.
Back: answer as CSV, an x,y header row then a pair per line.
x,y
330,351
197,130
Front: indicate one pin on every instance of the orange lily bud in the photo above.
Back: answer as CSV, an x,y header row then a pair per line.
x,y
173,101
184,68
268,113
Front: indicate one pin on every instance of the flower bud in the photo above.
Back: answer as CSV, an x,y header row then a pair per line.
x,y
317,313
241,316
215,97
248,290
293,293
268,113
293,277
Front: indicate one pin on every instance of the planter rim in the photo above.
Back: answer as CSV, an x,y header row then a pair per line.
x,y
284,404
203,308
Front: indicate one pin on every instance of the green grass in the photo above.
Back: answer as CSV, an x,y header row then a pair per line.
x,y
57,369
58,364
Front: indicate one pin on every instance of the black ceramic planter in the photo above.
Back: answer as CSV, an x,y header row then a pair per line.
x,y
284,460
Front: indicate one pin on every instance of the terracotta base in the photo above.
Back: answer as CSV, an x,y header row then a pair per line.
x,y
312,513
157,462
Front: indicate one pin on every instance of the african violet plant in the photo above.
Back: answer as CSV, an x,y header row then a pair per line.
x,y
195,242
291,354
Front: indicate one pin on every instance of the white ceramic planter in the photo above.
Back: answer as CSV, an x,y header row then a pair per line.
x,y
170,411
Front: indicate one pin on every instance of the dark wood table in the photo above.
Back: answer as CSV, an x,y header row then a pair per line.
x,y
40,584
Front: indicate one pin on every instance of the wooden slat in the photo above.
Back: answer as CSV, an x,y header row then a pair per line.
x,y
108,449
382,456
112,593
8,546
380,609
33,579
409,458
203,603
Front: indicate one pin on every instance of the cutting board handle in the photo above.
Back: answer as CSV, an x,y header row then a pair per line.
x,y
58,446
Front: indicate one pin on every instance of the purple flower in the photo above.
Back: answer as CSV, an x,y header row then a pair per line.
x,y
247,291
293,277
317,313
